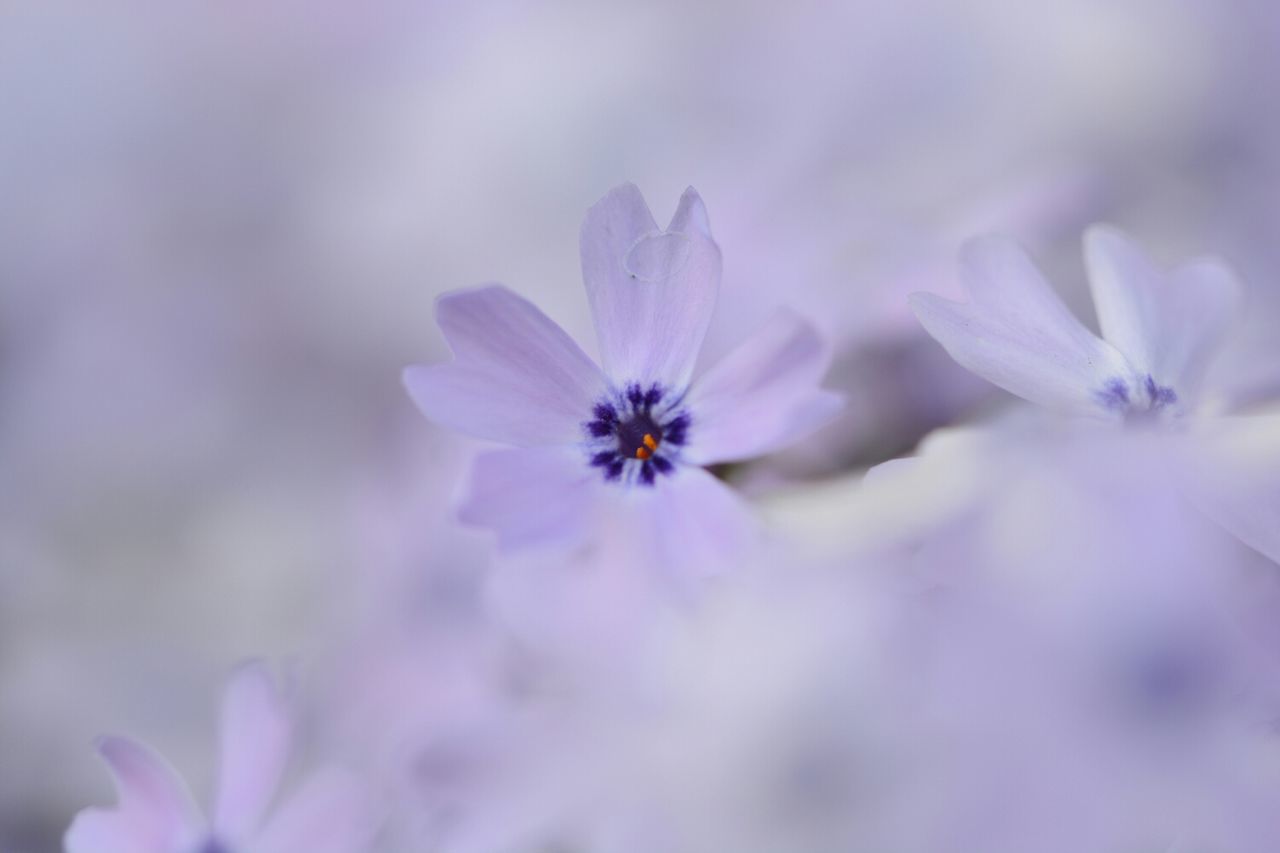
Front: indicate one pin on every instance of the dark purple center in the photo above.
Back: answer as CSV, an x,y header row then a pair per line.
x,y
636,434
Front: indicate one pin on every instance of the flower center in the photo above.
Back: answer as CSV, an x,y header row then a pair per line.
x,y
213,845
639,437
636,434
1142,402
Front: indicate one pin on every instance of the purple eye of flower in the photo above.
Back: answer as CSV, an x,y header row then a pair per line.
x,y
213,845
636,435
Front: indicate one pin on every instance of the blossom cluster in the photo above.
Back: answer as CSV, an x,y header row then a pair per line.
x,y
398,455
1048,628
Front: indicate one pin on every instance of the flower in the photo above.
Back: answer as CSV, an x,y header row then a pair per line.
x,y
639,428
1159,330
156,813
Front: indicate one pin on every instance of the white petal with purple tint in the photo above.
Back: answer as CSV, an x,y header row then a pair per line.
x,y
1234,477
530,497
1168,325
516,377
107,831
652,292
255,735
155,813
763,395
1016,333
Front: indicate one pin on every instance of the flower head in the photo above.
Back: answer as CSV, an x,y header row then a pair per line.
x,y
639,424
156,813
1159,330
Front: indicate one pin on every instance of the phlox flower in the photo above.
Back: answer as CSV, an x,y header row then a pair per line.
x,y
1159,329
156,813
634,432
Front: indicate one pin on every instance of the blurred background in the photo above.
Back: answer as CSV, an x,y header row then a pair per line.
x,y
223,226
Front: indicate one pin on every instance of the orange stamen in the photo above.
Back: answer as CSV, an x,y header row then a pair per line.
x,y
643,453
650,443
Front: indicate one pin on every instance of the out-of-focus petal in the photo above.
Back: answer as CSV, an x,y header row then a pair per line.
x,y
255,735
1168,325
1017,333
528,497
107,831
652,292
155,811
763,395
696,525
1234,477
331,813
517,377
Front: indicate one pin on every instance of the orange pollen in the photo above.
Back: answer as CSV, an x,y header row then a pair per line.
x,y
650,445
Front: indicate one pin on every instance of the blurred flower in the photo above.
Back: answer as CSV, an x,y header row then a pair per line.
x,y
639,429
1159,330
156,813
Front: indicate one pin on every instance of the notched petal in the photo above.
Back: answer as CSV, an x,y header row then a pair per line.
x,y
652,292
691,214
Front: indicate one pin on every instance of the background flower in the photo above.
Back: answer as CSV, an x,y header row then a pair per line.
x,y
155,812
1160,329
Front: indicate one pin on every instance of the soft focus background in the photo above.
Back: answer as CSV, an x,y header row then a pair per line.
x,y
222,228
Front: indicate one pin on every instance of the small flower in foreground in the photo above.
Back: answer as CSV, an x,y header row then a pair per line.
x,y
156,813
638,428
1159,330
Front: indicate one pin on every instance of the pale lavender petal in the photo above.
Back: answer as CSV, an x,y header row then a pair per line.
x,y
1168,325
1234,477
155,813
516,377
255,734
691,215
331,813
652,292
695,524
1017,333
763,395
536,496
108,831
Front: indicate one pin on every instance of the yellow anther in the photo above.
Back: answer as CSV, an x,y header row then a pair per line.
x,y
643,453
650,442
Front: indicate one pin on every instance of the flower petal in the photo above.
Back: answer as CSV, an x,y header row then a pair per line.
x,y
763,395
255,734
1233,476
108,831
517,377
652,292
155,812
538,496
1168,325
331,813
695,524
1017,333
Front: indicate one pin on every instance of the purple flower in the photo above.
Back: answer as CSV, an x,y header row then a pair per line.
x,y
634,432
156,813
1159,330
